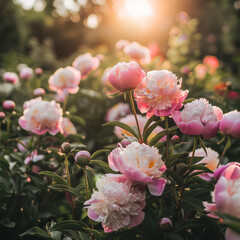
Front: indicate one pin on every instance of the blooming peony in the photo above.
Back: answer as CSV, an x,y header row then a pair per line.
x,y
159,93
121,44
118,111
211,161
198,118
226,196
116,203
126,76
10,77
26,73
138,52
230,124
140,163
130,121
108,88
41,116
85,63
65,80
68,127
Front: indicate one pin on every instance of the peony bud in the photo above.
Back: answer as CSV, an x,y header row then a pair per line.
x,y
66,148
2,115
175,139
8,105
82,158
38,72
165,224
38,92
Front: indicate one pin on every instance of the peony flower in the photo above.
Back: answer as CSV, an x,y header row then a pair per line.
x,y
230,124
85,63
141,163
38,92
220,170
23,145
211,160
226,196
130,121
108,88
41,116
38,71
126,76
138,52
10,77
33,157
118,111
2,115
8,105
211,62
116,203
159,93
26,73
201,71
121,44
198,118
68,127
183,18
65,80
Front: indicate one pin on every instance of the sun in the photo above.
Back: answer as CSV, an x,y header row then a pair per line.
x,y
138,8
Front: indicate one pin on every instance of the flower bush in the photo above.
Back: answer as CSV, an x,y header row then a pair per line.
x,y
90,166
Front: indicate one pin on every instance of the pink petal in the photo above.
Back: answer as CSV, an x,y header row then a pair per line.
x,y
157,186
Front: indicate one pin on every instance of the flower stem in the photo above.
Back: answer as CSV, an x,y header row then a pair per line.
x,y
8,123
0,131
193,152
166,126
135,115
65,103
86,182
226,147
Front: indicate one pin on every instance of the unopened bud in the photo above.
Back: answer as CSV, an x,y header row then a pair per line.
x,y
82,158
8,105
165,224
38,71
175,139
66,147
2,115
38,92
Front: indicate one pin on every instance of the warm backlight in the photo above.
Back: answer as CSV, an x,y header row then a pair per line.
x,y
138,8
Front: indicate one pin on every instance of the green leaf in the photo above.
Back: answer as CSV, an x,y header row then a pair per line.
x,y
149,121
55,176
175,176
68,224
37,232
149,130
77,119
99,152
122,125
202,144
172,159
200,167
193,202
160,135
61,187
95,233
188,100
103,165
114,94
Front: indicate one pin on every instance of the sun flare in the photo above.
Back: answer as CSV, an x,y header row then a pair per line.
x,y
138,8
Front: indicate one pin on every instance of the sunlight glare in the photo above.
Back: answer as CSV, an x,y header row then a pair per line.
x,y
138,8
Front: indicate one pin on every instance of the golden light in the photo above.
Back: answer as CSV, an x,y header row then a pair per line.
x,y
138,8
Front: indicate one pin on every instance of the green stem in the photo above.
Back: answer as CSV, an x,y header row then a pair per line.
x,y
0,131
65,103
86,182
227,145
135,115
166,127
193,152
8,122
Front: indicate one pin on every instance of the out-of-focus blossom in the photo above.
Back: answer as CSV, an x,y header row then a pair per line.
x,y
211,160
36,169
220,87
65,80
8,105
5,89
174,31
130,121
116,203
211,62
100,57
23,145
38,92
183,18
86,63
68,127
185,70
126,76
2,115
233,95
108,88
154,50
121,44
159,93
33,157
201,71
138,52
10,77
38,71
198,118
226,196
141,163
26,73
118,111
230,124
41,116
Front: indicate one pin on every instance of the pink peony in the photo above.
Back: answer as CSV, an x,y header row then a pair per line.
x,y
201,71
2,115
68,127
33,157
126,76
38,92
141,163
211,161
219,172
230,124
211,62
108,88
38,71
85,63
118,111
121,44
116,204
9,105
41,117
130,121
226,196
65,80
10,77
198,118
159,93
26,73
138,52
